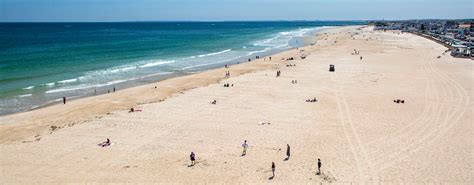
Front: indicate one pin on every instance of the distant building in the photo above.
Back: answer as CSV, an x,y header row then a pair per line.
x,y
461,51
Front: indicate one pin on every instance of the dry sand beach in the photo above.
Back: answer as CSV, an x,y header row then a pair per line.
x,y
355,128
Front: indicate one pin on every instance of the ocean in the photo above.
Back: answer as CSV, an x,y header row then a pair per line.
x,y
42,62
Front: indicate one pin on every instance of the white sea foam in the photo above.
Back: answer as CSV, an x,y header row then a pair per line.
x,y
216,53
258,51
24,95
282,39
125,68
84,86
156,63
50,84
122,69
67,81
87,86
29,87
208,64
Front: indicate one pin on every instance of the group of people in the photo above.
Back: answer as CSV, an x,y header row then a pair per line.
x,y
399,101
245,146
269,58
312,100
290,65
228,85
294,81
355,52
278,73
227,74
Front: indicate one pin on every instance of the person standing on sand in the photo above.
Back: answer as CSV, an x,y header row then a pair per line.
x,y
193,158
319,167
287,151
244,148
64,99
273,169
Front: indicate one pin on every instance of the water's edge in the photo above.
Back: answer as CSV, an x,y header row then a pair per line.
x,y
160,77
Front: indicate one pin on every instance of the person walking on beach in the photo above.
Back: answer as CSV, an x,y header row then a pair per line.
x,y
319,167
114,88
193,158
287,151
273,170
244,148
64,99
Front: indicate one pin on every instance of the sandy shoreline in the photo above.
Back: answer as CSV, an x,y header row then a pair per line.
x,y
79,110
355,128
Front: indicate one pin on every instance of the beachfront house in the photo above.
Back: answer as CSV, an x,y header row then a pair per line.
x,y
460,51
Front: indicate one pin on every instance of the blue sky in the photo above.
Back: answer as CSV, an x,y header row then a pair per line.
x,y
220,10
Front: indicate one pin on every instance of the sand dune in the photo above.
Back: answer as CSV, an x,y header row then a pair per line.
x,y
355,128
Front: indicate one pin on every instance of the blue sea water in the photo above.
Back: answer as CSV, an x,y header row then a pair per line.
x,y
42,62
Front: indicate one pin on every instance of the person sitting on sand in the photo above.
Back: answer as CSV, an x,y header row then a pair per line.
x,y
214,102
134,110
192,157
105,143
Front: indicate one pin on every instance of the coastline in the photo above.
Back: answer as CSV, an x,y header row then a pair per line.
x,y
75,87
87,107
356,128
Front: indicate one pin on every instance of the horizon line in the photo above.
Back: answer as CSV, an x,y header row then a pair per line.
x,y
295,20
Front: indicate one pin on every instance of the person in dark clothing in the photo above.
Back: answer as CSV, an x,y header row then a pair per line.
x,y
193,158
273,169
287,151
64,100
319,167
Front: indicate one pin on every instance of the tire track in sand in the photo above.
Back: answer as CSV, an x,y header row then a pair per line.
x,y
432,131
363,162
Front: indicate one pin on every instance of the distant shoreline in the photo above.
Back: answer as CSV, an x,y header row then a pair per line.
x,y
90,59
160,78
